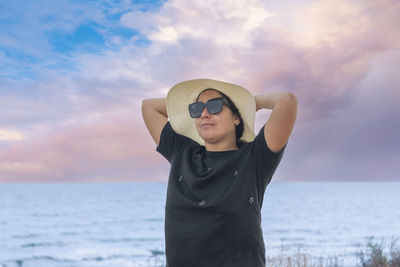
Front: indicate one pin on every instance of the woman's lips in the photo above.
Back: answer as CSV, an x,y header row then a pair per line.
x,y
207,125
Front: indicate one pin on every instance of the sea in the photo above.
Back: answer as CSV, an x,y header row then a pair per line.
x,y
122,224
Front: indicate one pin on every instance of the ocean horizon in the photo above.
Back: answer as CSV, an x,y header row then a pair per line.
x,y
122,224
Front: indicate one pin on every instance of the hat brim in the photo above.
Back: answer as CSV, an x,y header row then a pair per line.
x,y
184,93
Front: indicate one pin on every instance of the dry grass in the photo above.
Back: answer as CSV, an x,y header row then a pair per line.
x,y
375,255
301,260
372,255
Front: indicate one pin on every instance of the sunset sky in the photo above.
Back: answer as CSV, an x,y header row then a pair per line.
x,y
73,75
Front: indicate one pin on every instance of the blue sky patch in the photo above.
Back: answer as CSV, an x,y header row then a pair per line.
x,y
39,35
84,38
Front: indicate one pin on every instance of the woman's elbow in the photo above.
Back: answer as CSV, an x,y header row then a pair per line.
x,y
289,98
292,97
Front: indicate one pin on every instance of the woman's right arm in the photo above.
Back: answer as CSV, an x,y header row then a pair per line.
x,y
154,111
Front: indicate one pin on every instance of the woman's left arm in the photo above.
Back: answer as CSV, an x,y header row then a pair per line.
x,y
281,121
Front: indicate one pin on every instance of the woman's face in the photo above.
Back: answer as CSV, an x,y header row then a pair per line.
x,y
215,127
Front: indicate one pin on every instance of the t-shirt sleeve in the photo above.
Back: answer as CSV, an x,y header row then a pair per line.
x,y
267,161
170,142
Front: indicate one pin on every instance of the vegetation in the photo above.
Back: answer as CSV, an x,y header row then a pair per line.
x,y
302,260
374,254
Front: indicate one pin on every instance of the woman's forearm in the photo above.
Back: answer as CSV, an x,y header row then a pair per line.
x,y
157,104
269,100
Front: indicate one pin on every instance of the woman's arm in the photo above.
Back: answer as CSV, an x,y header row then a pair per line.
x,y
281,121
154,111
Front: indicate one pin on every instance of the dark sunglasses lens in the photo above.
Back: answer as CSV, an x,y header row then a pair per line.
x,y
214,106
195,109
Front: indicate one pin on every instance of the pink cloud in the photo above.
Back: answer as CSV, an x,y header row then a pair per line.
x,y
341,64
113,149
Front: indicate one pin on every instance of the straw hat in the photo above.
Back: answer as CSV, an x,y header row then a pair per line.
x,y
184,93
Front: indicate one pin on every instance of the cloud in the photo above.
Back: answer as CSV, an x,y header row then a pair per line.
x,y
360,141
333,55
10,135
226,23
106,150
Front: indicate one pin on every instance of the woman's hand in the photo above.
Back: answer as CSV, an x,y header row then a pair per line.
x,y
257,103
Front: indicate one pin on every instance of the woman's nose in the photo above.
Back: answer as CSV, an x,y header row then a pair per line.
x,y
205,113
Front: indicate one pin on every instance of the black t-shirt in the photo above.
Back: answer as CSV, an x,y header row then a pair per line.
x,y
214,200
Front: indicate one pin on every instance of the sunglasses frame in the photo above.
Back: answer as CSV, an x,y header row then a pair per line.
x,y
206,105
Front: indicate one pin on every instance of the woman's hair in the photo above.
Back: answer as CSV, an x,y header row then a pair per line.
x,y
235,111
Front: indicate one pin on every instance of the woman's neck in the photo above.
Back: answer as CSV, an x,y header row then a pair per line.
x,y
221,147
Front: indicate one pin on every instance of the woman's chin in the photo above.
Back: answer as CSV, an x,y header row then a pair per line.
x,y
205,135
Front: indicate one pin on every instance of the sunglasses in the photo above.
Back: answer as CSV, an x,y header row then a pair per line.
x,y
213,106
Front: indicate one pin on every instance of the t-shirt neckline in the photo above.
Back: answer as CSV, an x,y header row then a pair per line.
x,y
207,152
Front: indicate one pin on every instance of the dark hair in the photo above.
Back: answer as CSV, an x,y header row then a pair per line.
x,y
235,111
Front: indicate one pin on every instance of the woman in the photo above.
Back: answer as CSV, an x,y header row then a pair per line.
x,y
219,169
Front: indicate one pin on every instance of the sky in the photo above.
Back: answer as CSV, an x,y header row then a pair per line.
x,y
73,75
